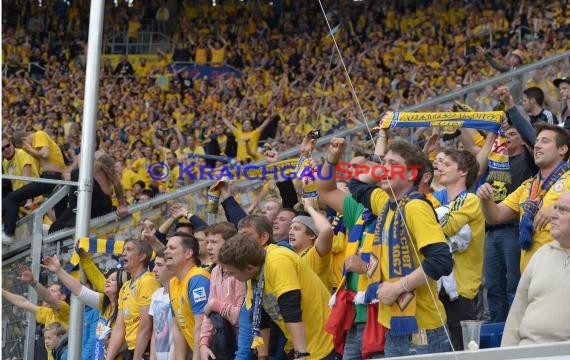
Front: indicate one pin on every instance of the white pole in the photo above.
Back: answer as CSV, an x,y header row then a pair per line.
x,y
85,188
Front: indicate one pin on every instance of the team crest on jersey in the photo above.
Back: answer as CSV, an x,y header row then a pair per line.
x,y
558,187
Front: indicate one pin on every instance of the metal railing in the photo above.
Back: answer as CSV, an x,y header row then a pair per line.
x,y
347,133
147,42
34,242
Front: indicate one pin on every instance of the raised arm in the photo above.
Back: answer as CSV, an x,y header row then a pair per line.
x,y
323,243
19,301
229,124
265,123
148,235
44,294
92,272
483,154
156,143
52,264
326,183
519,122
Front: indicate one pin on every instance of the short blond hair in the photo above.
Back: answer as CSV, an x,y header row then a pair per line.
x,y
56,328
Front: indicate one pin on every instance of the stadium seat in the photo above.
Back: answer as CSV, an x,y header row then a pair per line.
x,y
491,335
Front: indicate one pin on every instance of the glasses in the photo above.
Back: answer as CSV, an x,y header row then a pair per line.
x,y
6,147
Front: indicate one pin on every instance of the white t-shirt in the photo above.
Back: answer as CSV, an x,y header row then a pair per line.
x,y
161,313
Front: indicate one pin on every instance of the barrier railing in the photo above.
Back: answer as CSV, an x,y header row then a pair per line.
x,y
194,196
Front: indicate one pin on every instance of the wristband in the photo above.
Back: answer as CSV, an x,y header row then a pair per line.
x,y
331,163
376,158
298,354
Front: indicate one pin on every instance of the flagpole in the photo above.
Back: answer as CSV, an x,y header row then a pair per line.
x,y
85,188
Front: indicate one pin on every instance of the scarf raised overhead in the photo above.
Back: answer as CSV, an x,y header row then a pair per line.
x,y
498,159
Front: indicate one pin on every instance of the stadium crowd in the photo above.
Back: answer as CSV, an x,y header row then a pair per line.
x,y
260,283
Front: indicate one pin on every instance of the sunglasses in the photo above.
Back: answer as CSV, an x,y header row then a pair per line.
x,y
6,147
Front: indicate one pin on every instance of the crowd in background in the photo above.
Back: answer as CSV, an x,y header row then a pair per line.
x,y
292,81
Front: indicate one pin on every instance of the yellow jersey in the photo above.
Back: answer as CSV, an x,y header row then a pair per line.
x,y
322,266
468,265
241,136
41,139
189,297
284,271
16,165
134,294
520,195
424,229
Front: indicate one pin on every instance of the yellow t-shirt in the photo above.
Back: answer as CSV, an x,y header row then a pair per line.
x,y
241,136
218,56
520,195
141,167
128,179
15,166
41,139
424,230
135,294
46,315
284,271
338,248
201,55
171,182
197,283
468,265
322,266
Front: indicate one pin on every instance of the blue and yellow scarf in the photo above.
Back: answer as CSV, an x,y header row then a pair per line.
x,y
92,245
498,159
401,262
533,203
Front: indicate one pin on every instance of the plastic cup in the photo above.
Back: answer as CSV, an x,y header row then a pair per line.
x,y
471,330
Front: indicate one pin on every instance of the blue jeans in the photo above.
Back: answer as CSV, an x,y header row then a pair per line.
x,y
402,345
353,342
502,270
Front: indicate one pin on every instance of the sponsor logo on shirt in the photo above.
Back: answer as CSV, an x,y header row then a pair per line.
x,y
199,294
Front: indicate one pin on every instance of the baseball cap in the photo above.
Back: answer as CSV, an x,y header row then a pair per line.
x,y
565,79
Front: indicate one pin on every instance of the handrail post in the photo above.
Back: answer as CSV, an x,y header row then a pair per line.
x,y
85,188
